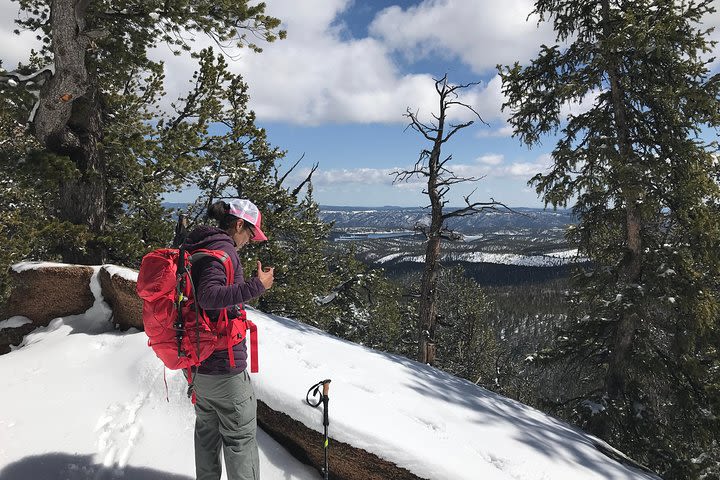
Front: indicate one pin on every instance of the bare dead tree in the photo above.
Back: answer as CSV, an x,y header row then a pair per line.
x,y
433,167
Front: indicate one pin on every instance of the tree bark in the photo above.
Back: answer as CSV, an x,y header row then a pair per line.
x,y
631,267
428,303
68,121
428,288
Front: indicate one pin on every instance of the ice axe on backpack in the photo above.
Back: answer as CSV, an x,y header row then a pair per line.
x,y
324,399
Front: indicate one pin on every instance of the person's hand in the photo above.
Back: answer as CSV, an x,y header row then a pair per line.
x,y
266,276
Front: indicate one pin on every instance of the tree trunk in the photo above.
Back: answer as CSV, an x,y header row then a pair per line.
x,y
83,198
631,267
69,81
428,289
428,303
68,122
618,361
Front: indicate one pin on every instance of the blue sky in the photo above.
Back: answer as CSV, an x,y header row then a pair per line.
x,y
337,88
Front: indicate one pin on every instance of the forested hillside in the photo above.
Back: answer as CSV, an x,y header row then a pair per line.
x,y
602,308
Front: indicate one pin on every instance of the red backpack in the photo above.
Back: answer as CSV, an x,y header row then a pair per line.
x,y
180,333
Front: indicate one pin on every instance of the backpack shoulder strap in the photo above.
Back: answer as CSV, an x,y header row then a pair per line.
x,y
220,256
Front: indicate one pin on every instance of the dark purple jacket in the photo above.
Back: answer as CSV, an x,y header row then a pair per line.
x,y
213,294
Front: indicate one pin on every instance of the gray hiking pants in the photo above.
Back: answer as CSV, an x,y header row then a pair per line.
x,y
225,410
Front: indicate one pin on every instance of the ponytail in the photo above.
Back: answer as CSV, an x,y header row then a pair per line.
x,y
219,211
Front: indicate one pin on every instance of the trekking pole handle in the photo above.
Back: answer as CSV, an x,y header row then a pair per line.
x,y
326,399
315,390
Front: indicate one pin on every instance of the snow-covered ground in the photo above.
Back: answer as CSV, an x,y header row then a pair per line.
x,y
83,401
552,259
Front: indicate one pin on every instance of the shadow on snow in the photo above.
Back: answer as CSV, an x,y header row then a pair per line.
x,y
65,466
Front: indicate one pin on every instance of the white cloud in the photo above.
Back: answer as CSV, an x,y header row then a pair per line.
x,y
493,166
485,165
309,20
713,21
14,48
489,102
524,169
491,159
315,76
581,106
319,75
482,33
504,131
367,176
487,99
528,169
500,126
359,176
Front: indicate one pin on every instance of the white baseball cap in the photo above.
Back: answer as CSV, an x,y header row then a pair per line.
x,y
248,211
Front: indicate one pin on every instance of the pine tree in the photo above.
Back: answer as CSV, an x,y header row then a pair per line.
x,y
241,163
20,194
96,93
467,344
365,306
644,340
300,253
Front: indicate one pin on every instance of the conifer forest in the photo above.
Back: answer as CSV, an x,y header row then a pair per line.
x,y
620,338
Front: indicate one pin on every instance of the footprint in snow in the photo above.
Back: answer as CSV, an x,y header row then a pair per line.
x,y
365,388
308,365
119,430
294,346
436,428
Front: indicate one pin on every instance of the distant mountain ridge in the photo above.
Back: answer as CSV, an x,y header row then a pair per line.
x,y
405,218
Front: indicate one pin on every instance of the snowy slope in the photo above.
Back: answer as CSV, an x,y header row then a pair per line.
x,y
82,401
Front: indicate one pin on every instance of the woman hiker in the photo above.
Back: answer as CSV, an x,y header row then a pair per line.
x,y
225,405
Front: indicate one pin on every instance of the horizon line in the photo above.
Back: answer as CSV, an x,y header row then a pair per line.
x,y
400,207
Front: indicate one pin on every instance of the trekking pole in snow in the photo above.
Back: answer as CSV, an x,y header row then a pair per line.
x,y
324,399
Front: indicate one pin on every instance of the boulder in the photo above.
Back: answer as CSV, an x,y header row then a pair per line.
x,y
119,293
43,292
14,336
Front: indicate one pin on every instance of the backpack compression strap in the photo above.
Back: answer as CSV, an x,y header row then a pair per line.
x,y
252,328
253,346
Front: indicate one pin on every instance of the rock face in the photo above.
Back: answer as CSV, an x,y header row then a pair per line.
x,y
120,294
14,336
345,461
43,294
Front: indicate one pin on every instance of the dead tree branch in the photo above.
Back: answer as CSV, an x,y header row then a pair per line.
x,y
281,180
297,189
